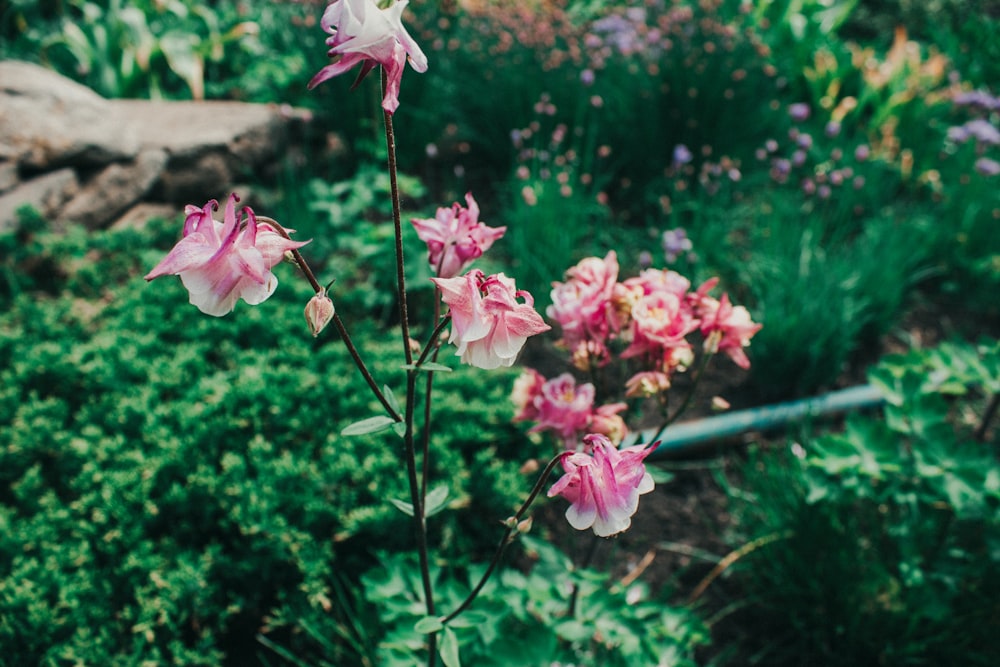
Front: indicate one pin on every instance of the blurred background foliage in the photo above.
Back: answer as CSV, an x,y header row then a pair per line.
x,y
173,485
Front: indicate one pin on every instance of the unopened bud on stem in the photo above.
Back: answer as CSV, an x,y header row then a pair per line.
x,y
319,312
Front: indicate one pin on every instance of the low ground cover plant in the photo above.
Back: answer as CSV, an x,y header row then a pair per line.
x,y
200,490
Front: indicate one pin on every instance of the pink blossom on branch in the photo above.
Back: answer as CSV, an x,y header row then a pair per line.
x,y
363,33
603,488
222,262
489,325
455,237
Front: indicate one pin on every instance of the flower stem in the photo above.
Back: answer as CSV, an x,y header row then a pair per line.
x,y
303,265
416,493
505,539
687,399
390,144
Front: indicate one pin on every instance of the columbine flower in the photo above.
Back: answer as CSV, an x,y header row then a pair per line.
x,y
564,407
221,262
582,304
455,237
488,323
363,33
527,387
604,488
727,328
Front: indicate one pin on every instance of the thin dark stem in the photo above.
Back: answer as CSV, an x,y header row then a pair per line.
x,y
353,351
432,344
416,493
687,398
390,144
420,522
505,539
587,560
337,322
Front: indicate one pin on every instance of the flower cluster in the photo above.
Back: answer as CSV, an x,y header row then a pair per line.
x,y
646,322
651,315
565,408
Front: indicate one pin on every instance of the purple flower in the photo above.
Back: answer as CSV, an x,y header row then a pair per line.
x,y
587,77
832,128
861,153
987,166
977,98
799,158
983,131
675,243
681,154
804,141
799,112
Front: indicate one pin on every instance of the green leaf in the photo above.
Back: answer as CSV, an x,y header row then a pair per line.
x,y
435,501
449,648
428,366
399,428
428,624
403,506
370,425
391,398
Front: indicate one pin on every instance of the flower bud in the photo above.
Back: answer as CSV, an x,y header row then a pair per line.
x,y
319,312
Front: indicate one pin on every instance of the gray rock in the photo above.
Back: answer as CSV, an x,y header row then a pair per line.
x,y
8,175
48,121
210,144
118,186
45,193
137,216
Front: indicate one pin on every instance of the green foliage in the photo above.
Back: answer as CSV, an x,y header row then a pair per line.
x,y
525,618
890,547
170,481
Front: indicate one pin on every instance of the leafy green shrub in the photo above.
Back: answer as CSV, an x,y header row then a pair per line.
x,y
886,546
169,481
520,618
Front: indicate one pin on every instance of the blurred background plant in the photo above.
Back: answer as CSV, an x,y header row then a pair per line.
x,y
835,161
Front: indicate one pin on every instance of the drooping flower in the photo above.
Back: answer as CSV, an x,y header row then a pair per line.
x,y
363,33
727,328
489,325
455,237
603,488
222,262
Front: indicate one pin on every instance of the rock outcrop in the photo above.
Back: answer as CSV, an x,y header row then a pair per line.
x,y
77,157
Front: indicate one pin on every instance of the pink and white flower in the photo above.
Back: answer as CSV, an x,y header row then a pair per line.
x,y
363,33
603,488
222,262
527,387
455,237
488,323
727,328
565,408
582,304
